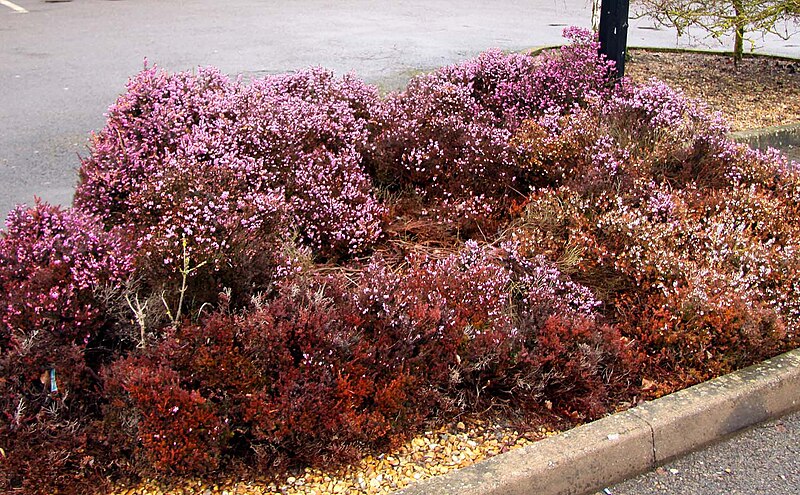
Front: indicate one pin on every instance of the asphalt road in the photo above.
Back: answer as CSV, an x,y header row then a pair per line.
x,y
63,64
762,460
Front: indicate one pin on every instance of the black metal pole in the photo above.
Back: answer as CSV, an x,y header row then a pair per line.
x,y
614,32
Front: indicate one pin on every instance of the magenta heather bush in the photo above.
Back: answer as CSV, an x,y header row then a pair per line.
x,y
438,140
676,227
345,222
641,132
172,140
570,77
447,136
56,269
495,81
311,130
54,264
153,121
313,109
229,235
541,290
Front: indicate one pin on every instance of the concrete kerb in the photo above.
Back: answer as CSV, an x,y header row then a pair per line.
x,y
721,53
625,444
539,49
780,136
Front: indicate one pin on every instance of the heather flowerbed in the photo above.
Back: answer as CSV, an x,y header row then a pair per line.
x,y
300,270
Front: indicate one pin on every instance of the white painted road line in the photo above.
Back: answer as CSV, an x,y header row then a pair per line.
x,y
13,6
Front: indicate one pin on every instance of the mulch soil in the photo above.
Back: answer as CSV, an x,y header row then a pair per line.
x,y
758,92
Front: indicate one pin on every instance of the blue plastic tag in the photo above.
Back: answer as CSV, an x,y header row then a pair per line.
x,y
53,386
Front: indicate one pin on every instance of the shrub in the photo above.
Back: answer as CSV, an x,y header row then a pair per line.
x,y
568,358
693,334
310,130
210,227
160,117
303,111
647,202
640,132
650,253
438,141
675,264
578,366
446,137
164,427
327,397
293,378
317,373
55,266
570,77
186,154
445,319
333,224
476,327
47,437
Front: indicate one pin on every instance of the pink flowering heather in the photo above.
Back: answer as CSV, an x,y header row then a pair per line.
x,y
311,130
571,76
440,140
56,269
677,228
153,121
187,156
640,132
541,290
514,87
677,136
210,221
447,137
339,115
497,81
344,222
469,281
54,264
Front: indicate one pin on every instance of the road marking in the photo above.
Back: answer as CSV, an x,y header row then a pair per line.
x,y
13,6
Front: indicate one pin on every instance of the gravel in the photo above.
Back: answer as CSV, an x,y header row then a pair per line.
x,y
432,453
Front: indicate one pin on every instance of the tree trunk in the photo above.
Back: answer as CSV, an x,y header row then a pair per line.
x,y
739,23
